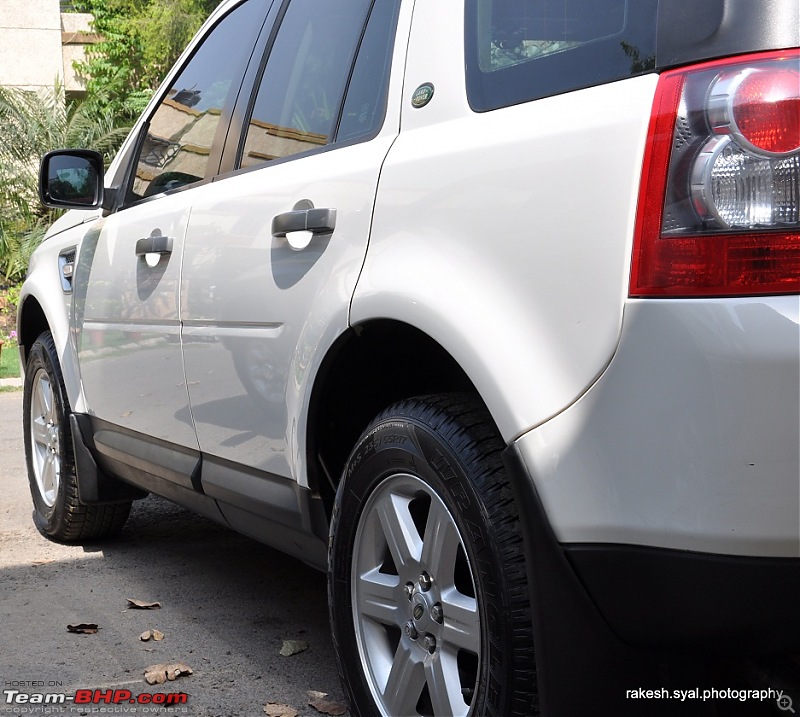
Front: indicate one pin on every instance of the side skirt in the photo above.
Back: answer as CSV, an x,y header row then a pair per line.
x,y
270,508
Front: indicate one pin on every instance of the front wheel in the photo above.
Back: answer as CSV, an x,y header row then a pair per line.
x,y
427,580
57,512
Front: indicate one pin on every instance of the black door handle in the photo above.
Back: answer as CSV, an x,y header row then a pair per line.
x,y
154,244
317,221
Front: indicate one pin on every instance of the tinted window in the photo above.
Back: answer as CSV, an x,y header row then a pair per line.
x,y
177,146
365,104
519,50
301,90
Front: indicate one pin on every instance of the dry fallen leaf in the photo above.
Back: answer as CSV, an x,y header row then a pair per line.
x,y
159,674
273,709
151,635
324,706
84,628
142,605
293,647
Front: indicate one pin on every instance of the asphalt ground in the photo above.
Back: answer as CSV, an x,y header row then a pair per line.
x,y
227,604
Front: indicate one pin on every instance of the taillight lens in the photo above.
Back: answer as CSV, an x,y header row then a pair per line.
x,y
719,205
765,109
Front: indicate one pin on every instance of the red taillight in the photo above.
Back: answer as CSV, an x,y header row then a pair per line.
x,y
766,110
719,203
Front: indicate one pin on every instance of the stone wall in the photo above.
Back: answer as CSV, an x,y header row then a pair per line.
x,y
38,43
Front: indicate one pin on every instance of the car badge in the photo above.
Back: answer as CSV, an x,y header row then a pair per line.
x,y
422,95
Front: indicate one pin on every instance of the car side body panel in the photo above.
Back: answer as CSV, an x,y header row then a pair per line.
x,y
259,316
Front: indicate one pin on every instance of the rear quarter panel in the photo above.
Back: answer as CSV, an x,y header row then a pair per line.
x,y
506,235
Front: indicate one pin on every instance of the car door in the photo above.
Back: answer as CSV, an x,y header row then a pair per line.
x,y
273,249
128,277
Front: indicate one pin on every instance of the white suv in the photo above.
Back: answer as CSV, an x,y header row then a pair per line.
x,y
489,308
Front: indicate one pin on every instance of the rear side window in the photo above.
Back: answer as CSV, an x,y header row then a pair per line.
x,y
297,106
521,50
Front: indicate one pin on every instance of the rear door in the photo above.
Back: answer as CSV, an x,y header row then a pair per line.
x,y
127,286
273,249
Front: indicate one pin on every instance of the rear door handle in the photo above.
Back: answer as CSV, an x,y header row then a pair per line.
x,y
316,221
154,244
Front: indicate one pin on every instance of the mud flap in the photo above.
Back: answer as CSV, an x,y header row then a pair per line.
x,y
95,486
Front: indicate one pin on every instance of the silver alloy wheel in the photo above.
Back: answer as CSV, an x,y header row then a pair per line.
x,y
45,435
414,604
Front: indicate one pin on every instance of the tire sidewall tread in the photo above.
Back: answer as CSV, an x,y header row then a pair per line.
x,y
449,442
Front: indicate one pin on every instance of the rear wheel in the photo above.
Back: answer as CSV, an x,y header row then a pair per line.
x,y
57,513
427,578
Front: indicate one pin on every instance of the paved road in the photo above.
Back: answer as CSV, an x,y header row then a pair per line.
x,y
228,603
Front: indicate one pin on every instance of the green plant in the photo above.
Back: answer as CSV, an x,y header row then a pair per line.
x,y
9,356
9,298
12,296
9,360
141,41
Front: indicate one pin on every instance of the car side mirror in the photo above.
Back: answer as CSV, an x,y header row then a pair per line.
x,y
71,179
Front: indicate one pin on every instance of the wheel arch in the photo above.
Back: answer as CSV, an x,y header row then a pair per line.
x,y
39,312
369,367
31,322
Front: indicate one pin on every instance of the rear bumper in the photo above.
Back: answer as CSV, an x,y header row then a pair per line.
x,y
655,598
609,619
672,487
690,440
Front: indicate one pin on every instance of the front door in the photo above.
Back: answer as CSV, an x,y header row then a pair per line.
x,y
129,330
128,278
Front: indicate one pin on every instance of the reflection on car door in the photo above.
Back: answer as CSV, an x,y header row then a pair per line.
x,y
127,310
273,251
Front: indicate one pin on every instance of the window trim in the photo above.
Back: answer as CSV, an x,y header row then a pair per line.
x,y
242,112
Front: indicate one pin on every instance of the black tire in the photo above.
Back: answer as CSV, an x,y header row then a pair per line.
x,y
440,622
57,512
